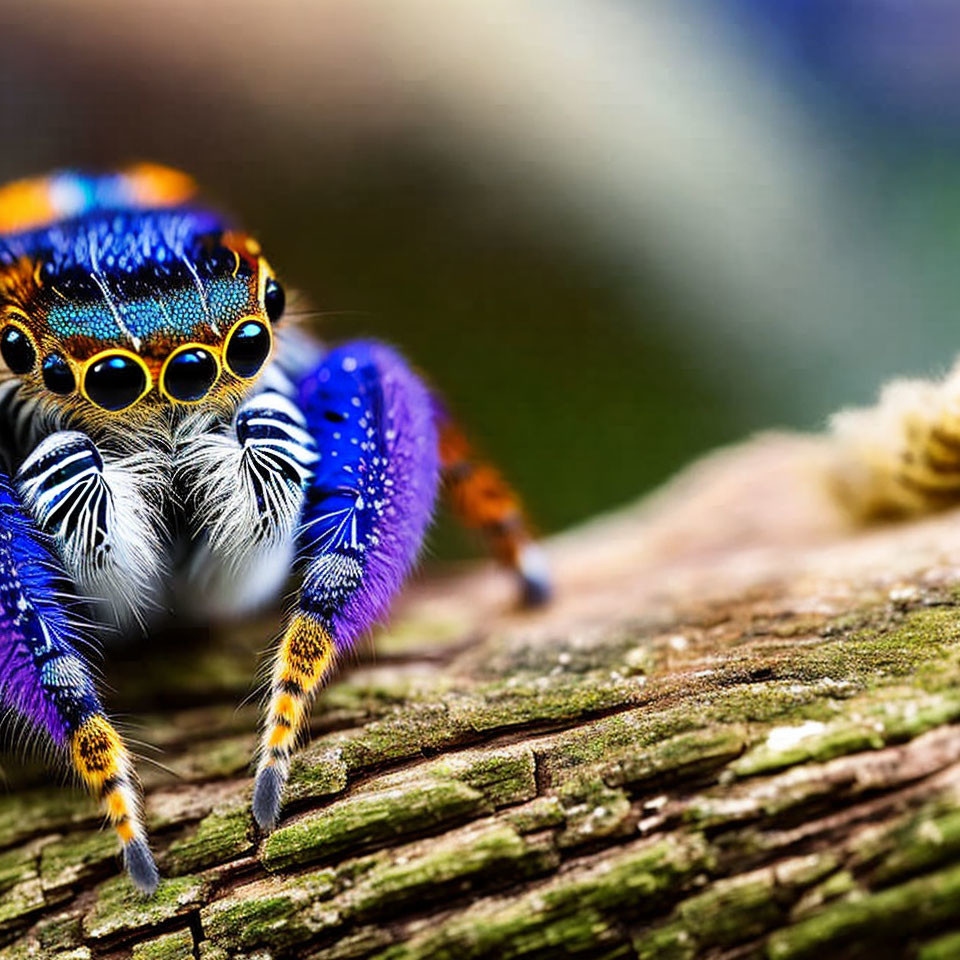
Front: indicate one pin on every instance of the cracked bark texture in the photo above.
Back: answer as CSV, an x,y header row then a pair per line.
x,y
736,734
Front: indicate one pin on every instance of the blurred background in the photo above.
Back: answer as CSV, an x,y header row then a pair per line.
x,y
616,233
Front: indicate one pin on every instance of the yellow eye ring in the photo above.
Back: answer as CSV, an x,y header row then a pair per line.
x,y
196,366
250,353
264,273
121,379
13,315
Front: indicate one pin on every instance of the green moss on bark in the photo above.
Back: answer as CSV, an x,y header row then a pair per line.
x,y
170,946
371,817
763,769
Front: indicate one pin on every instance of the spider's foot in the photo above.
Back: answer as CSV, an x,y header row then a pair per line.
x,y
305,656
267,794
141,866
535,584
103,763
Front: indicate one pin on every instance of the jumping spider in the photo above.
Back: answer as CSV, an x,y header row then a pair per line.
x,y
169,442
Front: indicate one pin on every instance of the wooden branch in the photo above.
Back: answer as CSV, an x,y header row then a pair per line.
x,y
734,735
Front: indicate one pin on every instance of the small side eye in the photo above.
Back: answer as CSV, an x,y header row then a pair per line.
x,y
57,375
115,381
248,346
274,299
17,350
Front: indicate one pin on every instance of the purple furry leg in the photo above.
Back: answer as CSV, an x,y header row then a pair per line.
x,y
367,509
44,679
373,494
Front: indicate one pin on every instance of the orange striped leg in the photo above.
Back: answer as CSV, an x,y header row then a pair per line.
x,y
483,500
304,659
104,765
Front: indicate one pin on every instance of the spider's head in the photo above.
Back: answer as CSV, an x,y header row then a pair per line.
x,y
137,302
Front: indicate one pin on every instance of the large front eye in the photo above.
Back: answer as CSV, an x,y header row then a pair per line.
x,y
17,350
247,348
115,381
189,374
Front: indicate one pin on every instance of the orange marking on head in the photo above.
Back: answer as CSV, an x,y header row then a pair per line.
x,y
17,281
125,831
97,751
35,202
25,204
244,246
154,185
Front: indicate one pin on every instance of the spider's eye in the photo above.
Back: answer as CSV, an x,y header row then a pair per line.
x,y
247,348
17,350
115,381
189,374
57,375
274,299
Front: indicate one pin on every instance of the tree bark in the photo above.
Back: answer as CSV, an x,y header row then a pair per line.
x,y
735,734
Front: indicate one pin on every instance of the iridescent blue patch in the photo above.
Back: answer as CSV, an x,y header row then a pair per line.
x,y
90,320
177,312
111,274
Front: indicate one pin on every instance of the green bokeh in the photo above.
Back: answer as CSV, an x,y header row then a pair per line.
x,y
539,350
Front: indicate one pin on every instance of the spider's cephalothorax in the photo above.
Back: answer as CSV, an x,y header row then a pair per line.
x,y
122,301
168,442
